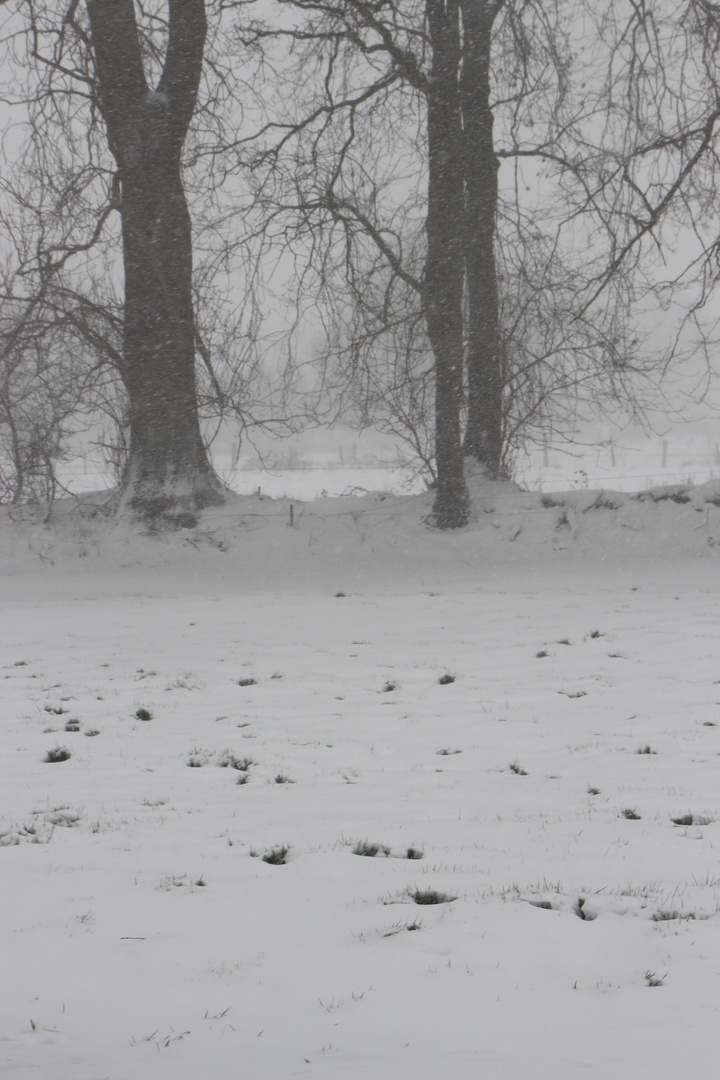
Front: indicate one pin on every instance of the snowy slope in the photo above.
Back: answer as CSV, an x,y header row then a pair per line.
x,y
529,708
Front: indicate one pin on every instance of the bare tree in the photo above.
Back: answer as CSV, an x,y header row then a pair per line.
x,y
110,232
482,181
445,266
655,188
468,202
60,331
146,128
324,166
387,165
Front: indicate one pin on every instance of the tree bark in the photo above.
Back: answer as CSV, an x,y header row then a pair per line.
x,y
443,284
484,432
168,467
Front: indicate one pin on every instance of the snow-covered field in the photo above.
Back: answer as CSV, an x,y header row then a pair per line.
x,y
522,718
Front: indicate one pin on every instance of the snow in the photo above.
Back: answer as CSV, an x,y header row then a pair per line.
x,y
144,934
340,461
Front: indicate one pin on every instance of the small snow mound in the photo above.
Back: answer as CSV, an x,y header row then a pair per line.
x,y
704,494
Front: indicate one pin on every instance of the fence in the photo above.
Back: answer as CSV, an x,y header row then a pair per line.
x,y
621,467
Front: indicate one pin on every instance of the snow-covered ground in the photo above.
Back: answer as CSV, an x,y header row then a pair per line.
x,y
331,462
522,718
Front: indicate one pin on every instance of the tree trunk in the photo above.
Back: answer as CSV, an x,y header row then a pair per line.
x,y
168,467
484,433
443,285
